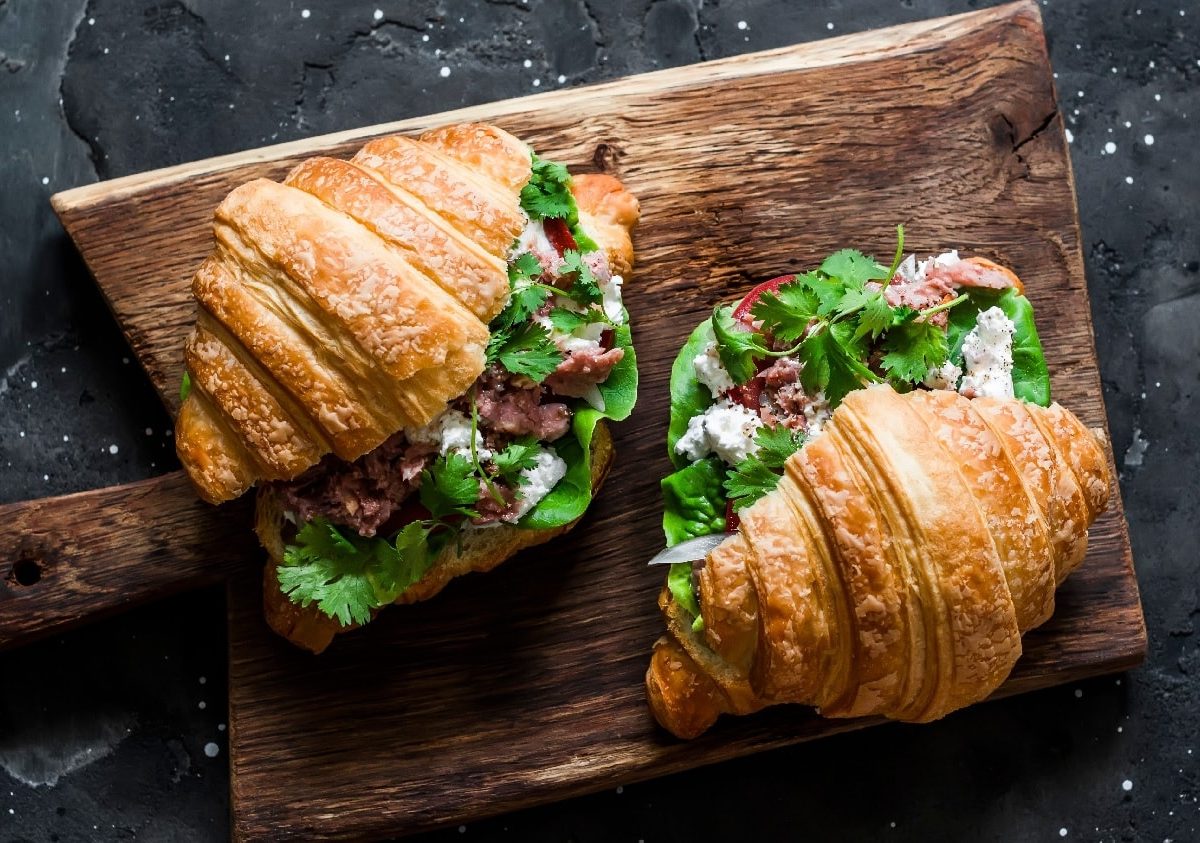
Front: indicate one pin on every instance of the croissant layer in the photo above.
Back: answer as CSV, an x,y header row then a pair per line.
x,y
347,303
894,568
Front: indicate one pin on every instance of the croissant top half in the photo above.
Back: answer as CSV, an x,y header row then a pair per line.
x,y
347,303
895,567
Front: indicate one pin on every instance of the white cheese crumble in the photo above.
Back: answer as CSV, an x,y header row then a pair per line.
x,y
910,270
816,413
614,306
451,431
537,482
988,355
533,239
944,376
710,371
725,429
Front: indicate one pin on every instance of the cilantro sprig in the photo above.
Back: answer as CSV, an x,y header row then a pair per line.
x,y
349,576
548,195
831,318
759,473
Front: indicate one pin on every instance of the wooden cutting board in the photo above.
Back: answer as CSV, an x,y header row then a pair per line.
x,y
525,685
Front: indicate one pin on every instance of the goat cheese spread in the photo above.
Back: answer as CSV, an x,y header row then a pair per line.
x,y
988,356
725,429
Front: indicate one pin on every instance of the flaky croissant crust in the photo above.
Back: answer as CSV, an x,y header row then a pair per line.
x,y
347,303
895,567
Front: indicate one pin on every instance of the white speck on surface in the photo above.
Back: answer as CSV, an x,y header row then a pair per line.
x,y
1158,97
150,432
1079,94
462,829
220,727
203,679
45,477
829,25
45,180
304,13
1110,147
527,63
620,789
561,78
91,21
743,25
22,434
1062,832
445,71
33,384
1148,140
112,449
537,83
66,438
1070,136
1135,454
378,14
211,749
1129,180
1120,729
424,37
1078,693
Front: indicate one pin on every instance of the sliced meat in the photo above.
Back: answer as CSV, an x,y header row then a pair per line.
x,y
784,370
583,369
491,510
507,406
974,272
361,495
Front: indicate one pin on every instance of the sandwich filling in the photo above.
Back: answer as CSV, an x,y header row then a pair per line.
x,y
514,450
756,380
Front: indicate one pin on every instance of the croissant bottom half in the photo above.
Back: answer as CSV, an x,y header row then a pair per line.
x,y
895,567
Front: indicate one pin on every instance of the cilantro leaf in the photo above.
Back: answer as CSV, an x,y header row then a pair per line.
x,y
787,312
450,486
584,289
548,192
749,481
519,455
326,567
853,268
185,386
913,348
776,444
736,346
874,314
568,321
525,350
830,366
412,558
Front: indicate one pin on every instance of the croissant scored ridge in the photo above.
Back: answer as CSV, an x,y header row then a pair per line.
x,y
895,567
347,303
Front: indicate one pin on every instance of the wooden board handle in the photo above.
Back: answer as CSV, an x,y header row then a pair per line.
x,y
76,558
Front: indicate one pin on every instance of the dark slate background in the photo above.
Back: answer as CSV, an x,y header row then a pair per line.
x,y
117,731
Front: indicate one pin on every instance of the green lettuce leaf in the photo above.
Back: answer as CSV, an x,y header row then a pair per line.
x,y
694,501
689,397
570,497
1031,378
679,581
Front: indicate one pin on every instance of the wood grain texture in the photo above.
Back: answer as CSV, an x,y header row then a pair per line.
x,y
77,558
525,685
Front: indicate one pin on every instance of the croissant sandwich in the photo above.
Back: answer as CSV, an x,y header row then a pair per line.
x,y
898,495
412,354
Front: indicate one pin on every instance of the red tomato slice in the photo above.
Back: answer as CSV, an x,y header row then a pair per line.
x,y
732,522
559,235
742,311
747,394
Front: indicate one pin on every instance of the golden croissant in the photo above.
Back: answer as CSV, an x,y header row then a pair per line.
x,y
397,349
895,567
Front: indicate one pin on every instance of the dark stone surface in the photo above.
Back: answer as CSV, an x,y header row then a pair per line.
x,y
92,90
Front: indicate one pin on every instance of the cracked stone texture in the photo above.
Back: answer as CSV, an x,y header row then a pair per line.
x,y
93,90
